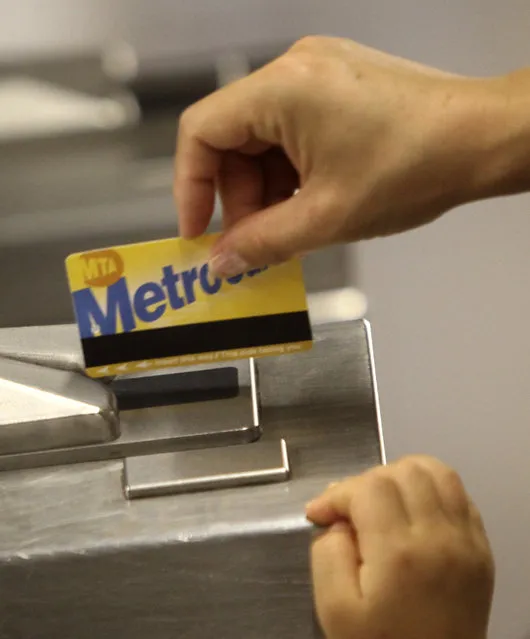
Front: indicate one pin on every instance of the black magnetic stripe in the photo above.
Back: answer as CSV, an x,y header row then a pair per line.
x,y
247,332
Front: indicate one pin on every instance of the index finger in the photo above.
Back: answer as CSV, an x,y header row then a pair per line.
x,y
196,168
371,502
218,123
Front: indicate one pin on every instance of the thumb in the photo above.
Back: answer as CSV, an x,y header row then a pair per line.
x,y
273,235
335,565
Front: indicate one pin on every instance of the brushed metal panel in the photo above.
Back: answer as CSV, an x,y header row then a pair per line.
x,y
43,409
53,346
83,562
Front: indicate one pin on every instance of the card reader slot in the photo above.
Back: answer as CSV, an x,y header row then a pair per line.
x,y
176,388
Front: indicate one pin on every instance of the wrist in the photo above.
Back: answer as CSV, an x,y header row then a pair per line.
x,y
492,133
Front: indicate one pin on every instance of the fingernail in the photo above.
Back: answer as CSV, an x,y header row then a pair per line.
x,y
228,264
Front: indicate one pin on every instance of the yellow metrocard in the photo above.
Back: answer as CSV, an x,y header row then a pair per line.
x,y
156,304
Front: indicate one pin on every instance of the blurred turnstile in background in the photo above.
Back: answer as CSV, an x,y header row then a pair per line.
x,y
106,183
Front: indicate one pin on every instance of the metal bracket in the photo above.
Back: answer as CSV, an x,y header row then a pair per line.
x,y
169,473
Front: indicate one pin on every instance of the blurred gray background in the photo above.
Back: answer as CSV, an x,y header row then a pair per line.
x,y
449,303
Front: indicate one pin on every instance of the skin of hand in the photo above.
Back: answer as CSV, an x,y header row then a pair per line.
x,y
336,142
404,555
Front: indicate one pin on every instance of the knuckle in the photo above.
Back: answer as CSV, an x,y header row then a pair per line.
x,y
296,68
478,522
444,472
415,461
186,119
408,467
308,42
483,567
407,460
452,480
377,479
306,58
189,121
447,479
264,249
453,487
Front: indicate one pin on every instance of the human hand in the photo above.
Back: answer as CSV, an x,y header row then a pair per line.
x,y
375,144
405,556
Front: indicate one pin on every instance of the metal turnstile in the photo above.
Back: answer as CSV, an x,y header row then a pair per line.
x,y
172,505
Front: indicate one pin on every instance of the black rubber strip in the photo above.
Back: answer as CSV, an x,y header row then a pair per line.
x,y
176,388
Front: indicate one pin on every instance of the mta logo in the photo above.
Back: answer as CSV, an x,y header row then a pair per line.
x,y
102,268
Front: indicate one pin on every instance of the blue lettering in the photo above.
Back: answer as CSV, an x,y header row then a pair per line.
x,y
235,280
256,271
150,301
206,285
188,280
92,320
148,295
170,280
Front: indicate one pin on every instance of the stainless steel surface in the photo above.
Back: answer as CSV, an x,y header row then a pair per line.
x,y
53,346
171,473
143,431
43,409
80,561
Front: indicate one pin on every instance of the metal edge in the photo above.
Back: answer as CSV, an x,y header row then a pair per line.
x,y
369,339
244,479
112,451
254,395
126,489
285,459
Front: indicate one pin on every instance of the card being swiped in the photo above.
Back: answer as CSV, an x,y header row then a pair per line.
x,y
153,305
